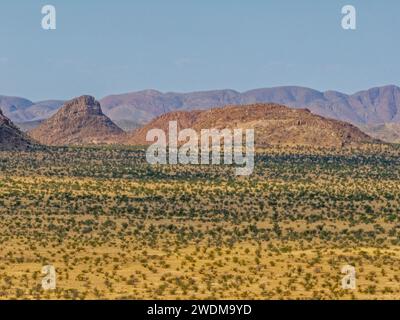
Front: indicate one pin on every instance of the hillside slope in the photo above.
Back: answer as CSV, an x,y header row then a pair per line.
x,y
11,138
274,125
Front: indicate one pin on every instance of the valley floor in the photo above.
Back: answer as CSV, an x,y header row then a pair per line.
x,y
116,228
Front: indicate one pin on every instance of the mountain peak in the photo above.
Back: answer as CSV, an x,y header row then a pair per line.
x,y
84,103
4,119
80,121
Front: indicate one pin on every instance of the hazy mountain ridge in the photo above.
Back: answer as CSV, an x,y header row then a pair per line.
x,y
22,110
365,109
373,106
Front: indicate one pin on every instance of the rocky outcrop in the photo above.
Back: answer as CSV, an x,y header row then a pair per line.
x,y
79,122
11,138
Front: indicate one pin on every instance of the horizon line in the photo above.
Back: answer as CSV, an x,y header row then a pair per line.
x,y
200,91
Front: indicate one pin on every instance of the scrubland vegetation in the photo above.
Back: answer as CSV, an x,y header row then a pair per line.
x,y
115,227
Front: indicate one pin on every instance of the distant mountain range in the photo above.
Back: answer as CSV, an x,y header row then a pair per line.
x,y
376,111
81,121
21,110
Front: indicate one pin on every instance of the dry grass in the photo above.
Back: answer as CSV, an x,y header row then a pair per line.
x,y
115,228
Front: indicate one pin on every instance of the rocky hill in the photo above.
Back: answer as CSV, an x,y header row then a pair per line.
x,y
79,122
274,125
11,138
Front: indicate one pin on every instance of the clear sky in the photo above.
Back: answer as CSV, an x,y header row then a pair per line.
x,y
104,47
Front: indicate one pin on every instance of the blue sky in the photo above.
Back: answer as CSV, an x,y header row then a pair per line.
x,y
106,47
